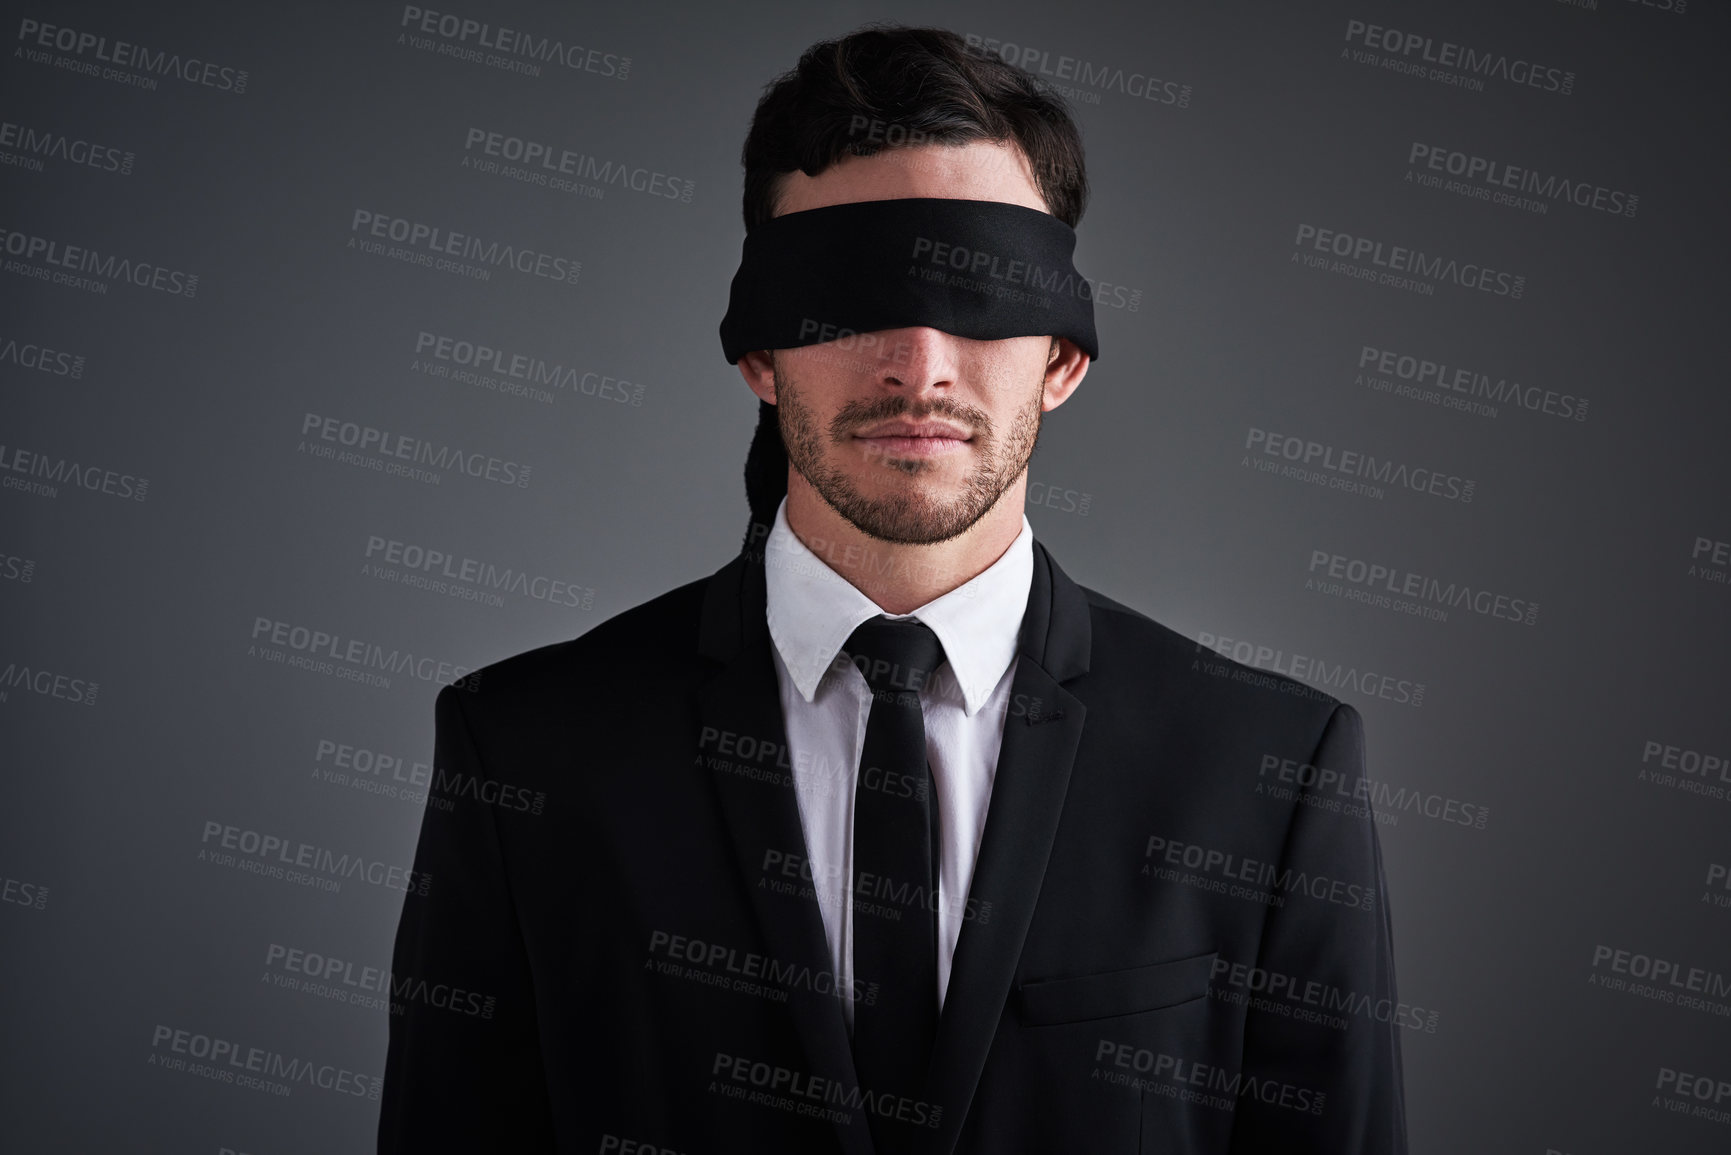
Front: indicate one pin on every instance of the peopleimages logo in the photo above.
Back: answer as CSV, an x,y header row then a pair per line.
x,y
356,657
1391,587
516,373
375,988
874,895
43,474
1692,771
1328,789
1456,387
1500,183
1427,58
1336,468
561,168
714,962
509,49
16,569
361,440
1314,672
1700,1096
976,263
17,892
1710,560
81,267
436,247
89,53
1087,80
1398,266
46,683
1697,988
812,1096
32,355
1173,1076
1269,883
223,844
453,574
1311,1000
256,1068
28,147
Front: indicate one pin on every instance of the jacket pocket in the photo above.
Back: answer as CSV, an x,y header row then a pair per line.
x,y
1112,993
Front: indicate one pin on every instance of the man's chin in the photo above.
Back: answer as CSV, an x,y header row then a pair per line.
x,y
901,531
888,469
910,515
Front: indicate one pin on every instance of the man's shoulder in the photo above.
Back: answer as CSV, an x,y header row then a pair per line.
x,y
1125,638
652,638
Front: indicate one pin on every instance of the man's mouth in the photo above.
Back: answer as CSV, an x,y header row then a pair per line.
x,y
914,438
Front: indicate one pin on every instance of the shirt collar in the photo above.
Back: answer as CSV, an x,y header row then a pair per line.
x,y
812,609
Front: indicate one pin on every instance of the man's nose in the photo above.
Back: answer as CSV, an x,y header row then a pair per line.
x,y
918,357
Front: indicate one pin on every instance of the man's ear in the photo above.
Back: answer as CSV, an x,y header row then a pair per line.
x,y
1066,365
758,369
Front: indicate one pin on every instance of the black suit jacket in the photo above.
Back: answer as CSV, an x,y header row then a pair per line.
x,y
1177,937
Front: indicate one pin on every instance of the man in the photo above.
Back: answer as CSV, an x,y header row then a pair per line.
x,y
888,836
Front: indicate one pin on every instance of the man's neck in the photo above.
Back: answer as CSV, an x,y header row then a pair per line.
x,y
901,578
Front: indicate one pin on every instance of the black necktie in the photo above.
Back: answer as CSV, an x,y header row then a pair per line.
x,y
895,864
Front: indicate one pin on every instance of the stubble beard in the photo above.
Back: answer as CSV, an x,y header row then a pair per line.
x,y
908,517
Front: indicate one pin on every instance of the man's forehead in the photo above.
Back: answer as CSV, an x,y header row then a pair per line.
x,y
981,170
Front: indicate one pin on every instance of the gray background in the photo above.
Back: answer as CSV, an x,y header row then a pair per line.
x,y
112,925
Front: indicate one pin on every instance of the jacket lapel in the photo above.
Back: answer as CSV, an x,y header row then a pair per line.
x,y
742,698
1041,735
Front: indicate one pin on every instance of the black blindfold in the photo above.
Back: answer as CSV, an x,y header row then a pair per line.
x,y
979,269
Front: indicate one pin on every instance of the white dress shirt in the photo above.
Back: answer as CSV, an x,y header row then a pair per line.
x,y
825,702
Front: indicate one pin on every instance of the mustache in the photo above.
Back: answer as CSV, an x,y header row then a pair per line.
x,y
858,413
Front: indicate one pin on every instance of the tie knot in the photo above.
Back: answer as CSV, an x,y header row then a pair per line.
x,y
895,656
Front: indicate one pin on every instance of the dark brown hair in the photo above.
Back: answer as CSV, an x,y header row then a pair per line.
x,y
892,86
